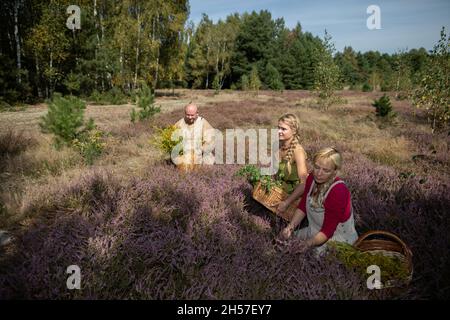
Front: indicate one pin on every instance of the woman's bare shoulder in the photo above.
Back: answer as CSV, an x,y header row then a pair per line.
x,y
300,151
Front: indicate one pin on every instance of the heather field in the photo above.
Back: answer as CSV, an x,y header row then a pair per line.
x,y
140,229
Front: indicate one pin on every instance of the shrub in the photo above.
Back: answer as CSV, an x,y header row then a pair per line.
x,y
367,87
13,143
383,107
89,144
244,82
96,97
133,115
5,106
163,139
72,82
115,96
217,82
65,118
145,100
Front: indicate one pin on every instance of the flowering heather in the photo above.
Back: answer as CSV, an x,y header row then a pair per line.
x,y
164,236
169,235
413,207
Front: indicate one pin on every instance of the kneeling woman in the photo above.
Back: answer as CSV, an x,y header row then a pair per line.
x,y
292,167
327,204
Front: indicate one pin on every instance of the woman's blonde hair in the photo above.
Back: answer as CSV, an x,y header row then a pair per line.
x,y
329,153
319,191
292,121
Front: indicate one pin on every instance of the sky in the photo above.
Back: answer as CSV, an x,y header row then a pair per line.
x,y
404,24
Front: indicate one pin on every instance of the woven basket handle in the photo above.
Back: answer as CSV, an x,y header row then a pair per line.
x,y
387,234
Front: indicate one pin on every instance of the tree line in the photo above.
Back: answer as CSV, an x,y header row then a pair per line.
x,y
124,44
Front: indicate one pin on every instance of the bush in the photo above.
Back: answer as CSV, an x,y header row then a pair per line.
x,y
163,139
89,144
145,99
13,143
245,85
96,97
367,87
65,118
5,106
385,87
383,107
217,82
72,82
114,96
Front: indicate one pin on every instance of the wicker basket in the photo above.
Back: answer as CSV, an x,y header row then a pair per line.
x,y
271,200
388,244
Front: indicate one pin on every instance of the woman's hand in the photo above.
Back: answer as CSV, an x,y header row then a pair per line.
x,y
282,206
286,233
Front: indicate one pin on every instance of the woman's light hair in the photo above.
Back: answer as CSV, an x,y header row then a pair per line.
x,y
292,121
329,153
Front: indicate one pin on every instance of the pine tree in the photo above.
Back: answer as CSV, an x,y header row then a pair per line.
x,y
273,78
72,82
145,100
254,81
348,64
383,107
65,118
255,43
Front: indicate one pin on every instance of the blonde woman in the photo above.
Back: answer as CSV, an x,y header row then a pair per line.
x,y
326,203
292,169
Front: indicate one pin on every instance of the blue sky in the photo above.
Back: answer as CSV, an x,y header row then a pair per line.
x,y
405,24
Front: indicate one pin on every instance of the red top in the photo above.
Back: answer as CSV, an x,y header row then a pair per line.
x,y
337,206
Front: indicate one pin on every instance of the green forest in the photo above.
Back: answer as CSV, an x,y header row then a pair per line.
x,y
123,44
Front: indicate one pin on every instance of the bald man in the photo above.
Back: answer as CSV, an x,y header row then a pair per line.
x,y
198,138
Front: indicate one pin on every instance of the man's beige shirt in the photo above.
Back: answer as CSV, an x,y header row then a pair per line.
x,y
198,141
